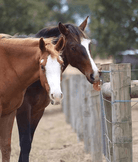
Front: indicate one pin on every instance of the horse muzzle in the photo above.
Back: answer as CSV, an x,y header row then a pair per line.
x,y
56,98
92,79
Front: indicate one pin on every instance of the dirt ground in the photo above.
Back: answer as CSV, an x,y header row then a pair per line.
x,y
55,141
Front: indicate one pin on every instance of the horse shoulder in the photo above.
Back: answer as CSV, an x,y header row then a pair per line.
x,y
12,103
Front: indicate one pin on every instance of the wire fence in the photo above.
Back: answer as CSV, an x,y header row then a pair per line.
x,y
107,141
92,115
107,137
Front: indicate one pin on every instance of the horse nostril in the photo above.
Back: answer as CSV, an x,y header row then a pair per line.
x,y
52,96
91,76
55,96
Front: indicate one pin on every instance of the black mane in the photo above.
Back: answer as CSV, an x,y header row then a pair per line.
x,y
54,32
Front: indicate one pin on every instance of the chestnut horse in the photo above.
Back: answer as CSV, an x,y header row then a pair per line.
x,y
23,62
76,53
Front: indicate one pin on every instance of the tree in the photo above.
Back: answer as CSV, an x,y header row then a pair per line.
x,y
13,14
114,24
29,16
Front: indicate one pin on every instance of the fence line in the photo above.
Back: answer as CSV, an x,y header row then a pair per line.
x,y
104,125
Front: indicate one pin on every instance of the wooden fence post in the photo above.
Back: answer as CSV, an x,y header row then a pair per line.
x,y
72,101
106,114
95,126
65,101
81,100
121,112
87,115
75,102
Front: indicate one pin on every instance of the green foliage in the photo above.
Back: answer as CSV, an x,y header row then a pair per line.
x,y
114,24
79,7
29,16
13,15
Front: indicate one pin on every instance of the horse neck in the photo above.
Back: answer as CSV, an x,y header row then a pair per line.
x,y
64,57
24,60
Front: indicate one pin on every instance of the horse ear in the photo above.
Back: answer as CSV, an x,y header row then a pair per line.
x,y
60,44
83,24
62,28
42,44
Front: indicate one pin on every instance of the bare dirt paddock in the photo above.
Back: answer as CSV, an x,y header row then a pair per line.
x,y
54,140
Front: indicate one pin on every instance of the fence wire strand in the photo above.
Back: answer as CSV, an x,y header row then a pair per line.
x,y
106,134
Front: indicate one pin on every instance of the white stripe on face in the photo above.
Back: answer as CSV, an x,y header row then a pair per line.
x,y
53,74
85,43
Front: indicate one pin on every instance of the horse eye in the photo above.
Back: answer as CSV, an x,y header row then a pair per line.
x,y
42,67
73,49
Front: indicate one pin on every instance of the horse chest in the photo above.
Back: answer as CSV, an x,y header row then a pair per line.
x,y
11,103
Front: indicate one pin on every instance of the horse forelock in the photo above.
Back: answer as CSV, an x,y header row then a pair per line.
x,y
75,30
54,54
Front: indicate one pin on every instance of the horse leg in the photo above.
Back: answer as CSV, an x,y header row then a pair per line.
x,y
26,130
35,120
23,118
0,110
6,125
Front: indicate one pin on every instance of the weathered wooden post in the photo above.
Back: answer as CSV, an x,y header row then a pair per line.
x,y
65,102
81,100
76,101
72,101
86,115
106,110
74,85
121,112
95,126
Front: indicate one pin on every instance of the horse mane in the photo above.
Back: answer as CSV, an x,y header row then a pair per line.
x,y
5,36
22,40
30,41
54,32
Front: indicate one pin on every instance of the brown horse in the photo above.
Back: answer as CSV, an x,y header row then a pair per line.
x,y
22,62
76,53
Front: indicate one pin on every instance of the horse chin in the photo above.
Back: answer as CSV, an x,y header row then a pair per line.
x,y
52,102
55,102
92,80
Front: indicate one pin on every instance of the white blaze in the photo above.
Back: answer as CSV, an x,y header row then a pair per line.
x,y
53,74
85,43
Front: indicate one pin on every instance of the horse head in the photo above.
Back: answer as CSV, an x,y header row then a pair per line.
x,y
77,50
50,68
